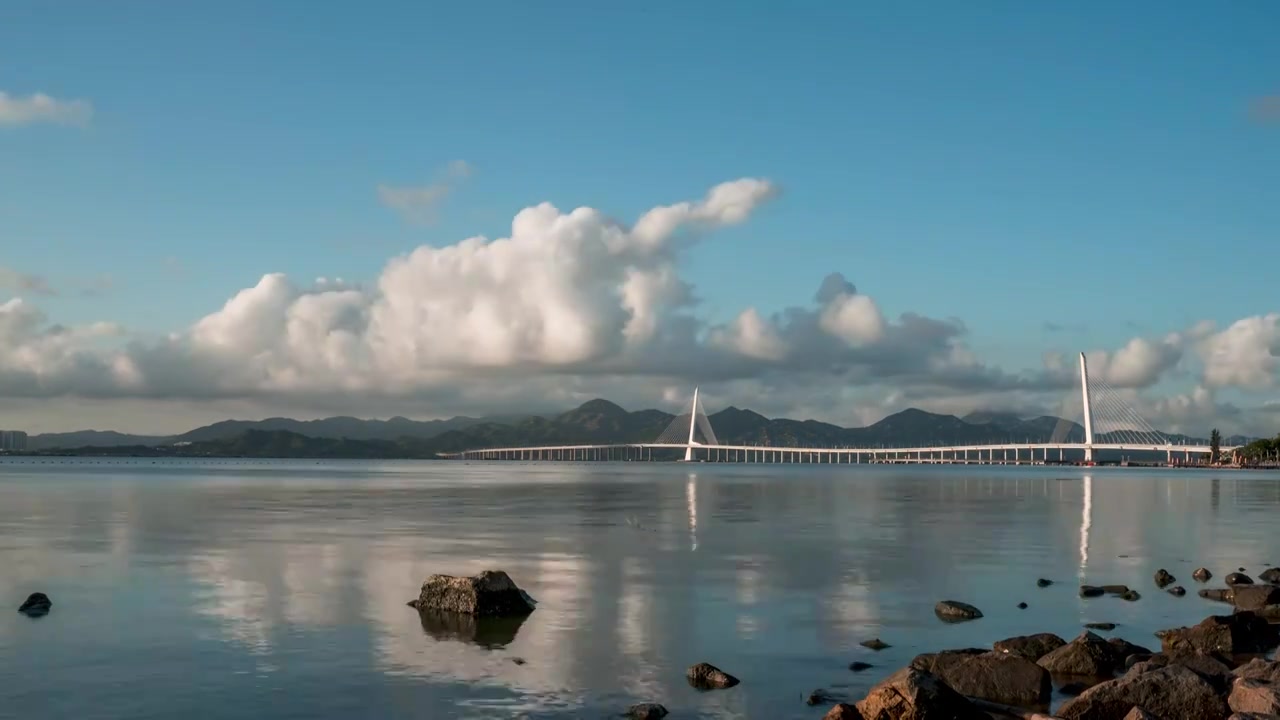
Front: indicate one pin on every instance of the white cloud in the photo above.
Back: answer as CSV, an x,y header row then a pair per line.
x,y
1246,354
41,108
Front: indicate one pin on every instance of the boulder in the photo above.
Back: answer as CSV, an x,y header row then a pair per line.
x,y
1241,633
1115,589
1022,606
1164,578
491,593
1130,595
875,644
1271,613
705,676
1254,696
1253,716
995,676
1239,578
912,694
1259,669
859,666
843,711
646,711
1177,591
1043,583
1169,693
36,604
1139,714
1255,597
1091,591
1031,647
1202,575
1123,648
1088,654
1210,667
954,610
1217,594
1271,575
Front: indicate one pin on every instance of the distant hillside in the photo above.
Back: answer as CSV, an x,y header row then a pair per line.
x,y
82,438
597,421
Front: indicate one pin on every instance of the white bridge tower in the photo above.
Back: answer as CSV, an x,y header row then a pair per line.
x,y
1088,412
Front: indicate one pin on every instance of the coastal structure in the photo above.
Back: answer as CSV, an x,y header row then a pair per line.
x,y
13,441
1110,425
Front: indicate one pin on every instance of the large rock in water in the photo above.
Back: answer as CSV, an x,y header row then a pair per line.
x,y
646,711
912,694
1087,655
955,611
995,676
1255,597
1271,575
706,676
491,593
1241,633
1031,647
1169,693
36,604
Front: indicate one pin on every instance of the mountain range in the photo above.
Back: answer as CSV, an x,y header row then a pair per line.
x,y
597,421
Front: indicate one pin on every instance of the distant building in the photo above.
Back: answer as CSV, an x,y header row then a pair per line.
x,y
13,441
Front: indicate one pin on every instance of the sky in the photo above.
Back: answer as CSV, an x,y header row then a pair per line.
x,y
827,210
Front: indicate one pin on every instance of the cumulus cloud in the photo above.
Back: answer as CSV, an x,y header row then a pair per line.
x,y
1246,354
419,204
40,108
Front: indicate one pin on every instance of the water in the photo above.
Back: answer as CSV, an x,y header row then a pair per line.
x,y
232,590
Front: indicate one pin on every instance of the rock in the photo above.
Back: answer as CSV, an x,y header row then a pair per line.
x,y
819,697
491,593
646,711
875,644
1091,591
1164,579
1043,582
1177,591
1259,669
858,666
1073,689
1169,693
995,676
954,611
518,660
1242,570
1138,713
1115,589
709,677
36,604
1216,594
912,694
1210,667
1255,597
1022,606
1031,647
1236,578
1256,696
843,711
1134,659
1271,575
1088,654
1241,633
1202,575
1130,595
1253,716
1100,626
1271,613
1122,649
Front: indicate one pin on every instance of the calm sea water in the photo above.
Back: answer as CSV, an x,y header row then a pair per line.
x,y
254,589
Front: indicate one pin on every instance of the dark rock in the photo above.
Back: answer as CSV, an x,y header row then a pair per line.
x,y
1088,654
1202,575
1134,659
875,644
994,676
1031,647
1259,669
1242,570
1177,591
1123,649
1169,693
1100,626
819,697
709,677
954,611
1091,591
1241,633
912,694
1210,667
1138,713
1254,696
1239,579
1130,595
1022,606
36,605
1271,575
1043,582
491,593
859,666
1216,594
1164,579
1115,589
843,711
1255,597
1073,689
646,711
518,660
1271,613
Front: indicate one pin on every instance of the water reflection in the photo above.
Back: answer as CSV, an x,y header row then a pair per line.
x,y
640,570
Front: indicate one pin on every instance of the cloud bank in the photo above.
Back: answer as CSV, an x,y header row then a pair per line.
x,y
572,305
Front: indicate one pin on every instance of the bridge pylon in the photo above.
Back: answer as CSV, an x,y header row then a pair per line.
x,y
684,429
1088,411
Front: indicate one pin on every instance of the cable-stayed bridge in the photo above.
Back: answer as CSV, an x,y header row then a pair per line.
x,y
1110,424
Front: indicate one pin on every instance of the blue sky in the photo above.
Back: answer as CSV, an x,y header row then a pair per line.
x,y
1087,164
